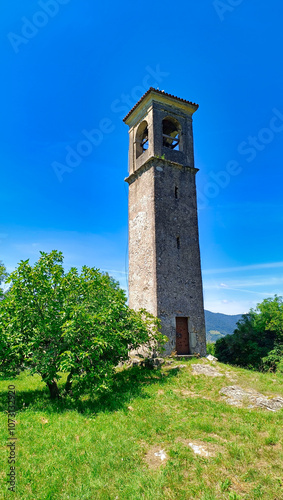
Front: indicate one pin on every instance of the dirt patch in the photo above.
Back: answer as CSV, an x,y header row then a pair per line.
x,y
186,393
155,457
237,396
219,438
189,394
160,392
200,448
240,487
175,367
208,370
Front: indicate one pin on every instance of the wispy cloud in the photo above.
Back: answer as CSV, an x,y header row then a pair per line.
x,y
252,282
251,267
244,290
234,288
113,271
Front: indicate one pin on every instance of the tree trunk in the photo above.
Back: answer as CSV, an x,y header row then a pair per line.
x,y
69,382
53,389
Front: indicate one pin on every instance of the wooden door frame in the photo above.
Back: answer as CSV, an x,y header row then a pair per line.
x,y
188,335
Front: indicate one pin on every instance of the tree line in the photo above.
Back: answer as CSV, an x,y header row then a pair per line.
x,y
257,342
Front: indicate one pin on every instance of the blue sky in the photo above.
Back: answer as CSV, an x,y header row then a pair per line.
x,y
72,69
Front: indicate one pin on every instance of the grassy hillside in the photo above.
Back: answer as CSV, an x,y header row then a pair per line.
x,y
218,325
105,448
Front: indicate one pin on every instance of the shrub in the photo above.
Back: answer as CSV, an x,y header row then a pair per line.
x,y
52,321
257,342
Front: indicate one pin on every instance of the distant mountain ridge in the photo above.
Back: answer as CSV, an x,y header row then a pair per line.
x,y
218,325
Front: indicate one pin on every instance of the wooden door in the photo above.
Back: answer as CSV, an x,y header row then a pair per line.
x,y
182,336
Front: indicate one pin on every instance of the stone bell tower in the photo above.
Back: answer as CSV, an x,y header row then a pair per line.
x,y
164,257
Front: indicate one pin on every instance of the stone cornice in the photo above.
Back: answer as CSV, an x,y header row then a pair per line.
x,y
155,161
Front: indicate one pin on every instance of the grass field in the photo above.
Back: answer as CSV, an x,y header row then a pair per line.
x,y
105,448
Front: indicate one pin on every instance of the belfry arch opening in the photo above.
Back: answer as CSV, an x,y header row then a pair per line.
x,y
141,138
171,131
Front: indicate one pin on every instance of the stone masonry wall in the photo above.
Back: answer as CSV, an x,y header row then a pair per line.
x,y
178,273
164,279
142,258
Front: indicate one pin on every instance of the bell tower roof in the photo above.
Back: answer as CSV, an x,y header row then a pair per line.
x,y
162,97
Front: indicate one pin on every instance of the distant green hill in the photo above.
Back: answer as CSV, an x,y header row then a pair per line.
x,y
218,325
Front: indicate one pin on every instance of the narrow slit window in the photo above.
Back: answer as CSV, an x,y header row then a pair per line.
x,y
178,242
176,192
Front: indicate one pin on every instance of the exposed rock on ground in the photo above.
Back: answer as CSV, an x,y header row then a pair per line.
x,y
211,358
199,450
208,370
237,396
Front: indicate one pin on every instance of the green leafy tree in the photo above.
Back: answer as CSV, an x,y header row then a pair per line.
x,y
3,277
210,348
52,321
258,339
